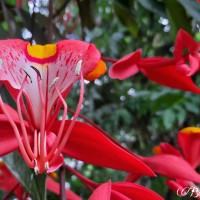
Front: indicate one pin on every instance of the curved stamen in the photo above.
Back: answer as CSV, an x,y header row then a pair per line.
x,y
49,156
35,144
66,135
17,134
25,135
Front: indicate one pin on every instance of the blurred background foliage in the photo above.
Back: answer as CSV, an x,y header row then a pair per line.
x,y
138,113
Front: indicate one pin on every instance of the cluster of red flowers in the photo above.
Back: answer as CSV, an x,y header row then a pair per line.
x,y
39,79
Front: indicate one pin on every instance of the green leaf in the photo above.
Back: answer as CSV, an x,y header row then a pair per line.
x,y
177,16
34,184
192,7
168,118
153,6
122,12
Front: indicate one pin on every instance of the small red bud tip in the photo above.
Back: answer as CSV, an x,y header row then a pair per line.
x,y
19,3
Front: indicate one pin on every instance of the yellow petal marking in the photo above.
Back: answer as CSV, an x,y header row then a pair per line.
x,y
99,70
41,51
190,130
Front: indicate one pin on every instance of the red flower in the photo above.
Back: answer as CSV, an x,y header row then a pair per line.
x,y
39,78
171,163
173,72
116,190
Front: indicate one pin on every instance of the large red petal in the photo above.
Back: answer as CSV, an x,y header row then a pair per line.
x,y
190,145
126,66
169,149
90,145
135,191
8,181
172,166
163,71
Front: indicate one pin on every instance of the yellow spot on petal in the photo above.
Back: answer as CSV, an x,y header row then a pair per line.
x,y
97,72
53,175
190,130
41,51
157,150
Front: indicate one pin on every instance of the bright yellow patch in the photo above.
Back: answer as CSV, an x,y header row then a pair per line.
x,y
41,51
157,150
53,175
190,130
97,72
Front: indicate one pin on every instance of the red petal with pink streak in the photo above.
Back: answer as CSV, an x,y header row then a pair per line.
x,y
103,192
135,191
55,187
169,149
8,182
184,41
8,141
163,71
173,185
173,167
90,145
190,145
126,66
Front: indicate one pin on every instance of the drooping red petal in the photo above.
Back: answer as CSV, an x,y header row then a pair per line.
x,y
132,177
55,187
172,166
184,41
190,145
90,145
126,66
89,183
163,71
103,192
135,191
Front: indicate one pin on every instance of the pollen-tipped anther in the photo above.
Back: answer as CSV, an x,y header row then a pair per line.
x,y
78,67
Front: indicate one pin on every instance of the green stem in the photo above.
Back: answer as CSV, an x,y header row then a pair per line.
x,y
62,183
